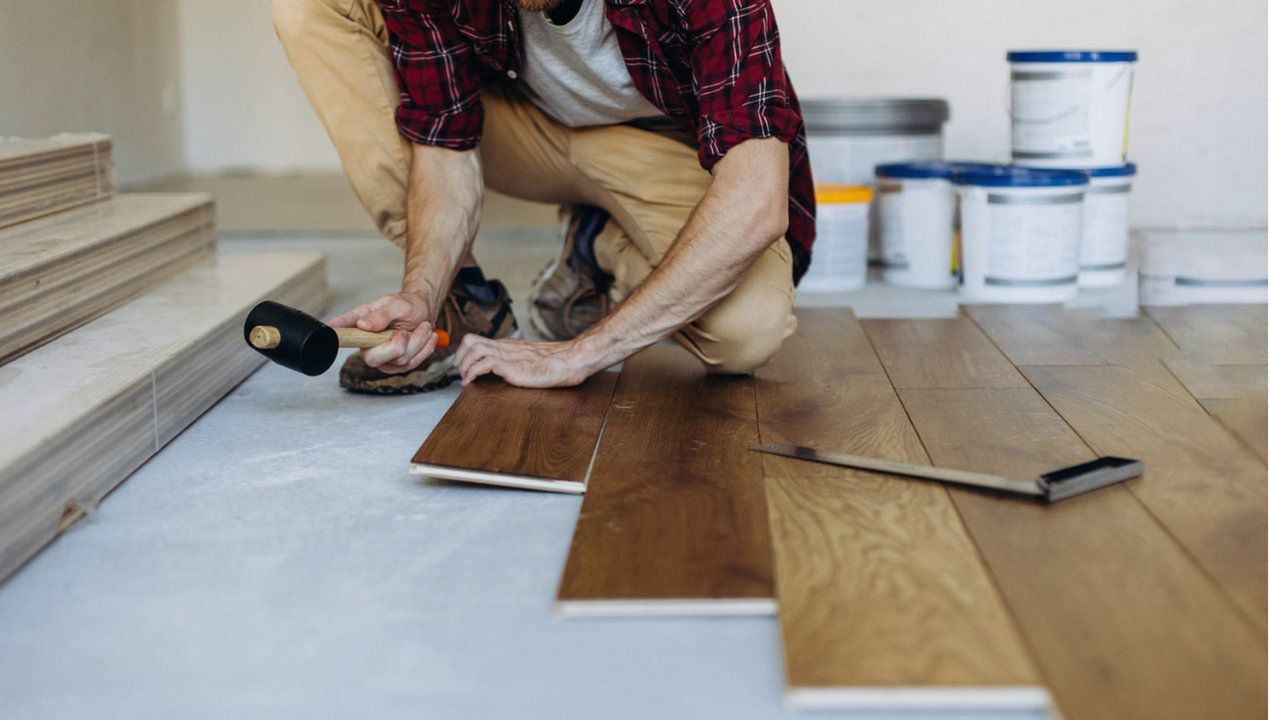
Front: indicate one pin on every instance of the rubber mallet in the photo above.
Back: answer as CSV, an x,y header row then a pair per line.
x,y
294,339
1050,487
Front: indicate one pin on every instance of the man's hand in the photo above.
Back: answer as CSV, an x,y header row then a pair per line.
x,y
410,315
525,363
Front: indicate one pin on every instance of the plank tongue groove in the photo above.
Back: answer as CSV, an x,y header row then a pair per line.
x,y
883,599
673,521
521,437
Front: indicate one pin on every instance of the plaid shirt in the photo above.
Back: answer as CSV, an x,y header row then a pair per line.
x,y
713,66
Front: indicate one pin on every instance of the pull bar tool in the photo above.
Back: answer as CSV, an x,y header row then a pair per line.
x,y
1051,486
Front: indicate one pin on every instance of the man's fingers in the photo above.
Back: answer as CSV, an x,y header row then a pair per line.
x,y
349,318
484,366
375,320
389,351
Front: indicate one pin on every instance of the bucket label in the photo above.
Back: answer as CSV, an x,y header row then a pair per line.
x,y
1052,114
1034,243
1105,243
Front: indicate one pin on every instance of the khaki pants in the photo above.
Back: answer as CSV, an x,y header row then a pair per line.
x,y
648,182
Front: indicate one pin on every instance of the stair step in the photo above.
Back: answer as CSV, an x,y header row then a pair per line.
x,y
84,411
61,271
39,176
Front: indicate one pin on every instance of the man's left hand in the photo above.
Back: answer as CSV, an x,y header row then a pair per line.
x,y
525,363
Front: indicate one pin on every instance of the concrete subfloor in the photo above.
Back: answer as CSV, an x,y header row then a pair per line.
x,y
276,560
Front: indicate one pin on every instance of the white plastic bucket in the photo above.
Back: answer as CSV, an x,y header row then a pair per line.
x,y
1020,233
915,216
839,260
1186,267
1070,108
1107,210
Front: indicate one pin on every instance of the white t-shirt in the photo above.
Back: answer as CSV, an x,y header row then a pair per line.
x,y
577,72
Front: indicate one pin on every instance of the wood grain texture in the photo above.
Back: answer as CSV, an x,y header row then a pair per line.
x,y
1245,417
1202,484
504,435
969,359
881,591
1206,380
674,520
1224,334
1121,622
40,176
1054,335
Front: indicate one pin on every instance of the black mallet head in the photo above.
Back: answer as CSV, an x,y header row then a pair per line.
x,y
291,338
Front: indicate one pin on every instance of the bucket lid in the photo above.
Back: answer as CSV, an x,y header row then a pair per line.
x,y
843,193
1072,56
1016,176
925,170
1113,171
875,115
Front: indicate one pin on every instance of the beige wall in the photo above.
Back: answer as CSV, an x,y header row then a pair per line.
x,y
104,65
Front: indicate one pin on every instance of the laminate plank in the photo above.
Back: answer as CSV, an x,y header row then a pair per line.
x,y
1224,334
883,599
40,176
1054,335
1206,380
970,362
1121,622
1245,417
673,521
542,440
1201,484
85,410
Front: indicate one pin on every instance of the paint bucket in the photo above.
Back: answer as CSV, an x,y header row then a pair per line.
x,y
1020,233
1187,267
916,223
839,261
848,137
1104,243
1070,108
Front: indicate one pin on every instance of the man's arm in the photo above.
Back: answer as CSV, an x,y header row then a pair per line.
x,y
744,211
443,212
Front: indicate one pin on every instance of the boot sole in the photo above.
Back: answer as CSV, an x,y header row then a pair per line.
x,y
404,384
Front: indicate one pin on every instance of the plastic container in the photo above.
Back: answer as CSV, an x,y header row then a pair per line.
x,y
839,261
1107,218
1070,108
1186,267
916,223
1020,233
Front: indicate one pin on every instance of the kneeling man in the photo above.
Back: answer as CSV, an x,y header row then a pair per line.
x,y
667,131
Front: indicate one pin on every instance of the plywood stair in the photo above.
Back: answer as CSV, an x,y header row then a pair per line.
x,y
120,324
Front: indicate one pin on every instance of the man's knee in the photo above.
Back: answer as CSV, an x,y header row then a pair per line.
x,y
741,343
293,19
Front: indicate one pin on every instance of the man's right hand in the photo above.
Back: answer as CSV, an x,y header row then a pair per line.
x,y
410,314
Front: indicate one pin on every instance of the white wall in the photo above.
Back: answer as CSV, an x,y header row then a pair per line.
x,y
77,65
1199,100
244,108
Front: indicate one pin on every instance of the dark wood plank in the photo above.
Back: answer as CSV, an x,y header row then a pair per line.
x,y
881,592
674,519
1245,417
969,359
1225,334
1205,488
502,435
1122,623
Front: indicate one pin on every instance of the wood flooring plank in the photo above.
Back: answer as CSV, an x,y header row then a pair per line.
x,y
884,601
1200,482
1206,380
1245,417
1122,623
540,440
673,521
1055,335
973,361
1224,334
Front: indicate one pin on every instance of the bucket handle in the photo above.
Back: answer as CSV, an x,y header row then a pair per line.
x,y
1008,99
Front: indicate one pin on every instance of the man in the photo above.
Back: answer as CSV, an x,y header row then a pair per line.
x,y
667,130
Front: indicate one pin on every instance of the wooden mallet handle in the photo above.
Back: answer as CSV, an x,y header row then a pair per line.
x,y
267,337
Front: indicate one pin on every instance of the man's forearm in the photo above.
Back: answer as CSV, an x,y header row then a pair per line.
x,y
742,214
443,211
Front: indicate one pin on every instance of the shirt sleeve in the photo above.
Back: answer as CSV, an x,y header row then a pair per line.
x,y
436,73
741,84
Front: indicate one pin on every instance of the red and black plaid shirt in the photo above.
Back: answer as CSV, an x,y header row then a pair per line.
x,y
713,66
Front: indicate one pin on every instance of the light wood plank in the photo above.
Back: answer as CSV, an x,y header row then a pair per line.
x,y
1121,621
40,176
883,599
1054,335
543,440
971,362
674,520
1205,488
1245,417
1206,380
1224,334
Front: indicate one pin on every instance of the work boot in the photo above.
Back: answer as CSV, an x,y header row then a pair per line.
x,y
484,309
571,294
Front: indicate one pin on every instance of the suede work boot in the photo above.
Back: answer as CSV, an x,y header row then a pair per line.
x,y
464,311
571,294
